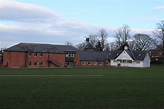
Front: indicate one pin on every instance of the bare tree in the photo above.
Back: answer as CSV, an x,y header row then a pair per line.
x,y
113,46
80,46
142,42
122,35
159,34
99,40
93,38
68,43
102,35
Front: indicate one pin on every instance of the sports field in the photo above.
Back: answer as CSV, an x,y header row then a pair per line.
x,y
82,88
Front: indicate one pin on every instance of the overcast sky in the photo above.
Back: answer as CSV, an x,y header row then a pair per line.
x,y
58,21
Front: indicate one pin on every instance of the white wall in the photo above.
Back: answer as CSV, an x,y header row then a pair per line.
x,y
146,62
133,64
125,56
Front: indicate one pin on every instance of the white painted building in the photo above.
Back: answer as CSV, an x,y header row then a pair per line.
x,y
128,58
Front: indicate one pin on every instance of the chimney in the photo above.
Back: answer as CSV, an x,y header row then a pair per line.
x,y
87,40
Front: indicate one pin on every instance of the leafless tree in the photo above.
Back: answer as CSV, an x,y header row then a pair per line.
x,y
93,39
99,40
122,35
68,43
159,34
142,42
80,46
113,46
102,35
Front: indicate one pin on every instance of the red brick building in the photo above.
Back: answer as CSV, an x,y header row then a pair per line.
x,y
89,56
1,59
31,55
156,56
91,59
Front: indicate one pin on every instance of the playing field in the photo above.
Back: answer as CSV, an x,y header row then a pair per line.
x,y
82,88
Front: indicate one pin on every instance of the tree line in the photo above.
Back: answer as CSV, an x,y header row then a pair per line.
x,y
138,41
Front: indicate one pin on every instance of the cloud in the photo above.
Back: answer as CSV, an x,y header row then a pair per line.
x,y
159,8
33,23
22,12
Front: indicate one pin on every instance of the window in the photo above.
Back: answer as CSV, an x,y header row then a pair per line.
x,y
137,62
67,55
124,61
29,54
94,63
115,60
83,62
35,63
41,54
29,63
40,63
70,55
35,54
89,62
129,61
100,63
119,60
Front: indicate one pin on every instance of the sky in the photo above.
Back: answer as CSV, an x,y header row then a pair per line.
x,y
61,21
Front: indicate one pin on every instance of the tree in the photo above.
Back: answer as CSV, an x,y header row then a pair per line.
x,y
79,46
68,43
142,42
99,40
159,34
93,39
102,36
122,35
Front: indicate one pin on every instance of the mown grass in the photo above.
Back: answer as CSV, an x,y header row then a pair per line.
x,y
82,88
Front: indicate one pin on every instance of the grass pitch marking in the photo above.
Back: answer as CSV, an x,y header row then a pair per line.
x,y
51,75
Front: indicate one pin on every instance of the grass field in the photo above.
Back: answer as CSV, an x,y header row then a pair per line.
x,y
82,88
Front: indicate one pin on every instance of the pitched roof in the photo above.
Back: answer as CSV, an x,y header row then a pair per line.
x,y
92,55
87,46
34,47
114,54
136,55
139,55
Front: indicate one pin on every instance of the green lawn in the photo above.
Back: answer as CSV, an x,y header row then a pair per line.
x,y
82,88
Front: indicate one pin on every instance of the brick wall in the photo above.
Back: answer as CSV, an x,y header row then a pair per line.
x,y
14,59
32,60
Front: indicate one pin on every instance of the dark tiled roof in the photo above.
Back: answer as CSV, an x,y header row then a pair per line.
x,y
101,56
33,47
139,55
92,55
114,54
